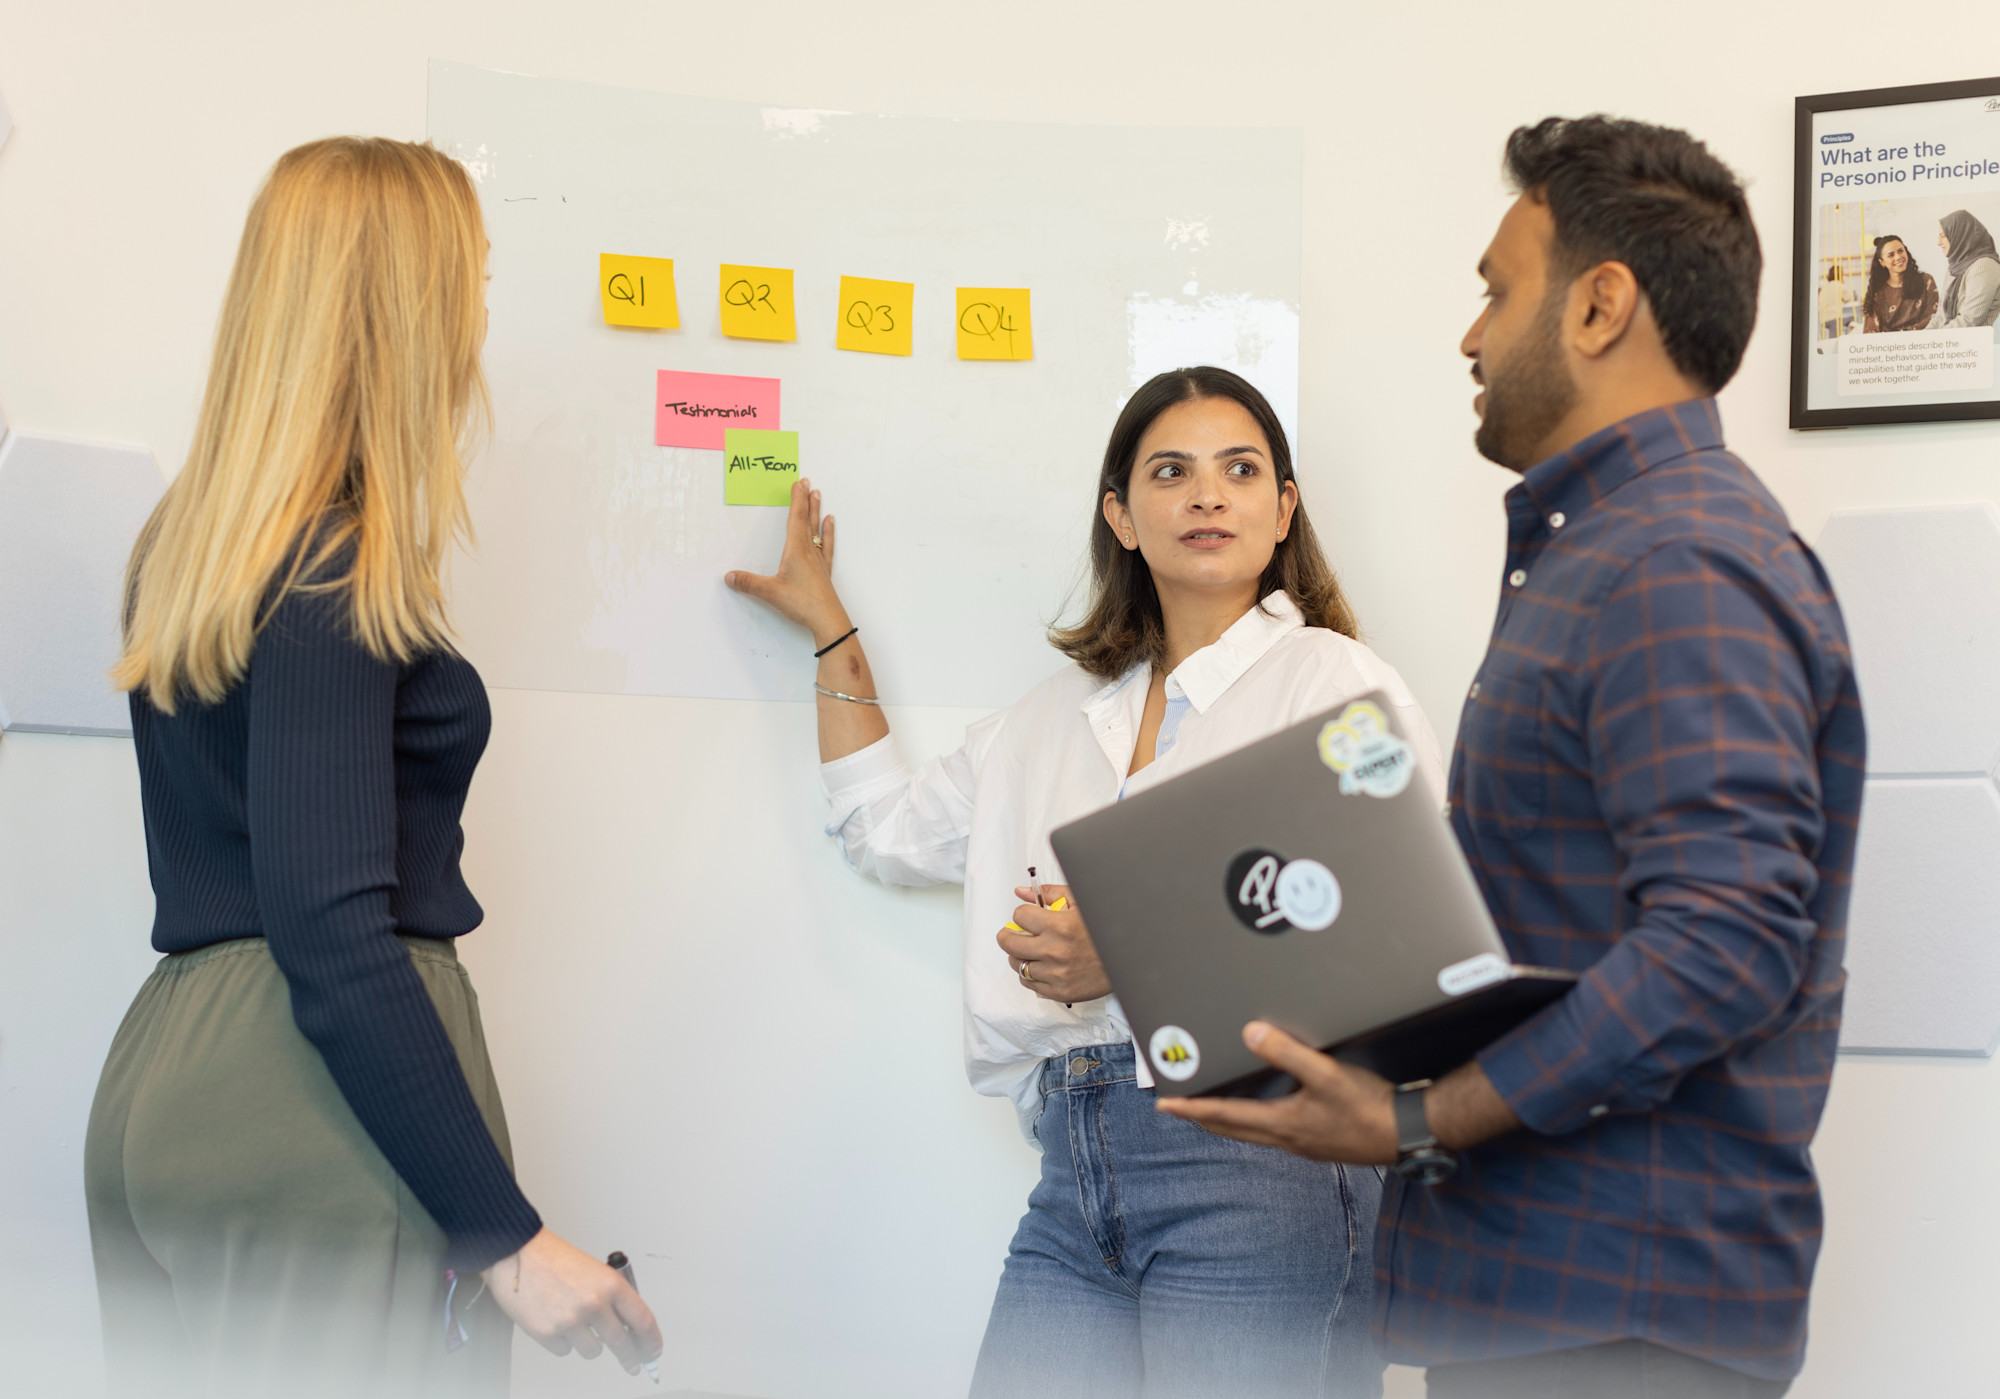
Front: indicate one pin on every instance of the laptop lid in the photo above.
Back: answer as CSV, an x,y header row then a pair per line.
x,y
1308,879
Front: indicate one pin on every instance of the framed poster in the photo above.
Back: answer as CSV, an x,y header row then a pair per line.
x,y
1895,273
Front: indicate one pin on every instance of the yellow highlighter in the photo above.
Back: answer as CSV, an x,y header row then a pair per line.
x,y
1058,906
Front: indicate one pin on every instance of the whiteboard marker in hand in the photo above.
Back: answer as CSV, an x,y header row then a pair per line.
x,y
622,1265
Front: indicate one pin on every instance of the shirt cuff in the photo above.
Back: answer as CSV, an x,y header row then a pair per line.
x,y
1546,1071
862,776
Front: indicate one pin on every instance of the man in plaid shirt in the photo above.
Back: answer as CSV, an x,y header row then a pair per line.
x,y
1657,783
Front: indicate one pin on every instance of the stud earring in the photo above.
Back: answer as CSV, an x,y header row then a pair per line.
x,y
1128,541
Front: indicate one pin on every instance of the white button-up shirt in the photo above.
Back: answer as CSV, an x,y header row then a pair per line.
x,y
982,815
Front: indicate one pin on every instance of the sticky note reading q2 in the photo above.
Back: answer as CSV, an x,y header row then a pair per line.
x,y
757,303
638,291
760,467
993,323
875,316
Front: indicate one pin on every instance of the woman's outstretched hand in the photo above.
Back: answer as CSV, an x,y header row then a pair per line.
x,y
802,589
567,1301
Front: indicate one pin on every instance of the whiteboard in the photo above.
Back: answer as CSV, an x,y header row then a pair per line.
x,y
963,489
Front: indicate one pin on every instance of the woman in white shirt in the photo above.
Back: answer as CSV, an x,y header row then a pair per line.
x,y
1154,1259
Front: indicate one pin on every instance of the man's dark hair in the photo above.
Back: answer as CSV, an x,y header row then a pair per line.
x,y
1654,199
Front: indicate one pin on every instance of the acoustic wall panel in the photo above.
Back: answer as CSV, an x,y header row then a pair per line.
x,y
1920,589
1923,955
69,513
1921,592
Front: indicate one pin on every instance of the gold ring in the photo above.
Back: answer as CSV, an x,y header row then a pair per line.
x,y
1024,972
816,543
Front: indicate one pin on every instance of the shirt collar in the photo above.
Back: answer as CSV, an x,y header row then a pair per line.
x,y
1209,672
1571,481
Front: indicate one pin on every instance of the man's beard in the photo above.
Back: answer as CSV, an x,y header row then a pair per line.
x,y
1528,393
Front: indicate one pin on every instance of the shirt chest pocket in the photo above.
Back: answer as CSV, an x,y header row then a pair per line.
x,y
1505,773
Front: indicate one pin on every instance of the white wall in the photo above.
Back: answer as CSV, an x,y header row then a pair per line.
x,y
820,1216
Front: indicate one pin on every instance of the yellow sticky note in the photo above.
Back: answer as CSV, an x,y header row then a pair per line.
x,y
993,323
638,291
875,316
757,303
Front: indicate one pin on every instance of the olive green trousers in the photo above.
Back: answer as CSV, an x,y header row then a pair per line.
x,y
250,1238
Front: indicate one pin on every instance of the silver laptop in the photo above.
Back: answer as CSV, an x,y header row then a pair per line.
x,y
1308,880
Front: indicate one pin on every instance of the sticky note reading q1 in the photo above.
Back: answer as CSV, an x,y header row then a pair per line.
x,y
993,323
875,316
757,303
638,291
760,466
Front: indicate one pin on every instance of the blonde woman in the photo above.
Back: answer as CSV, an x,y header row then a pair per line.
x,y
297,1169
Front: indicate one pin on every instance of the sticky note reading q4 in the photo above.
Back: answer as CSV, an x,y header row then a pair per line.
x,y
757,303
993,323
759,466
875,316
638,291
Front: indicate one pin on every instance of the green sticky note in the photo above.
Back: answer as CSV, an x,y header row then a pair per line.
x,y
759,466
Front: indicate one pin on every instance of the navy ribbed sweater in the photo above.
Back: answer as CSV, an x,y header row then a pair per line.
x,y
317,806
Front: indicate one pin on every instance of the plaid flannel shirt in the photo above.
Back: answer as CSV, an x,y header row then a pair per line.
x,y
1657,782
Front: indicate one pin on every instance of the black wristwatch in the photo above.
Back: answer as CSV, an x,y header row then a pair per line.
x,y
1418,1155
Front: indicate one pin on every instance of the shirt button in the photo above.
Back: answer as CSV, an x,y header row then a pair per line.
x,y
1599,1111
1557,519
1475,690
1518,577
1447,811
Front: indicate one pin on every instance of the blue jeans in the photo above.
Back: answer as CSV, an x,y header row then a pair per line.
x,y
1158,1260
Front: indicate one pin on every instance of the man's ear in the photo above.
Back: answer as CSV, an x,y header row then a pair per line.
x,y
1604,302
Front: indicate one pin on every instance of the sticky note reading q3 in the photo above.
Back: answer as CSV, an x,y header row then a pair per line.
x,y
638,291
875,316
757,303
760,467
695,410
993,323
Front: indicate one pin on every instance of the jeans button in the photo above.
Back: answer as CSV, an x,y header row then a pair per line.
x,y
1082,1066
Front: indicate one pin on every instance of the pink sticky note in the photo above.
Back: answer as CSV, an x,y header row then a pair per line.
x,y
693,410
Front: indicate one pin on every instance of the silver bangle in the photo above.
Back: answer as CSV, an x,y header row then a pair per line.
x,y
851,699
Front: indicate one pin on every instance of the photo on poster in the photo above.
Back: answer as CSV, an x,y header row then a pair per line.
x,y
1895,271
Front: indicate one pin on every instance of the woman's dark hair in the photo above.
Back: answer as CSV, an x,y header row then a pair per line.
x,y
1878,275
1123,625
1656,200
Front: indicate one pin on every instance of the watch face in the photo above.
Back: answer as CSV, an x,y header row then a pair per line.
x,y
1427,1165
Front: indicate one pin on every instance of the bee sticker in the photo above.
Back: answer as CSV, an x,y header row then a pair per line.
x,y
1362,748
1175,1054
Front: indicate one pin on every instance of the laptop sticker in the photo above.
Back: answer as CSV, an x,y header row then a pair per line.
x,y
1361,747
1472,973
1175,1054
1309,895
1270,894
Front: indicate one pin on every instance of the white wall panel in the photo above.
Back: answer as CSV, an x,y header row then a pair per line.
x,y
69,513
1920,589
1923,953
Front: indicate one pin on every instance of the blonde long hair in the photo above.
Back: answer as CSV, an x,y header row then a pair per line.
x,y
344,379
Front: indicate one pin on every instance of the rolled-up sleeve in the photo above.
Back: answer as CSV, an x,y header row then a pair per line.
x,y
1699,713
903,827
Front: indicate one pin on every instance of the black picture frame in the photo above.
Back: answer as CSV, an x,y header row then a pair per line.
x,y
1803,260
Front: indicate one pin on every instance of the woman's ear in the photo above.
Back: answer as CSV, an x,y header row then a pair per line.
x,y
1288,502
1120,520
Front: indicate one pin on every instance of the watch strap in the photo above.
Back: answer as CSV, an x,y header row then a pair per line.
x,y
1413,1128
1418,1155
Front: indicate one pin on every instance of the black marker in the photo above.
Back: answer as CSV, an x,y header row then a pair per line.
x,y
622,1265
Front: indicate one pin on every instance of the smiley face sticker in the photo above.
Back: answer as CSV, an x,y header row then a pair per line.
x,y
1366,753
